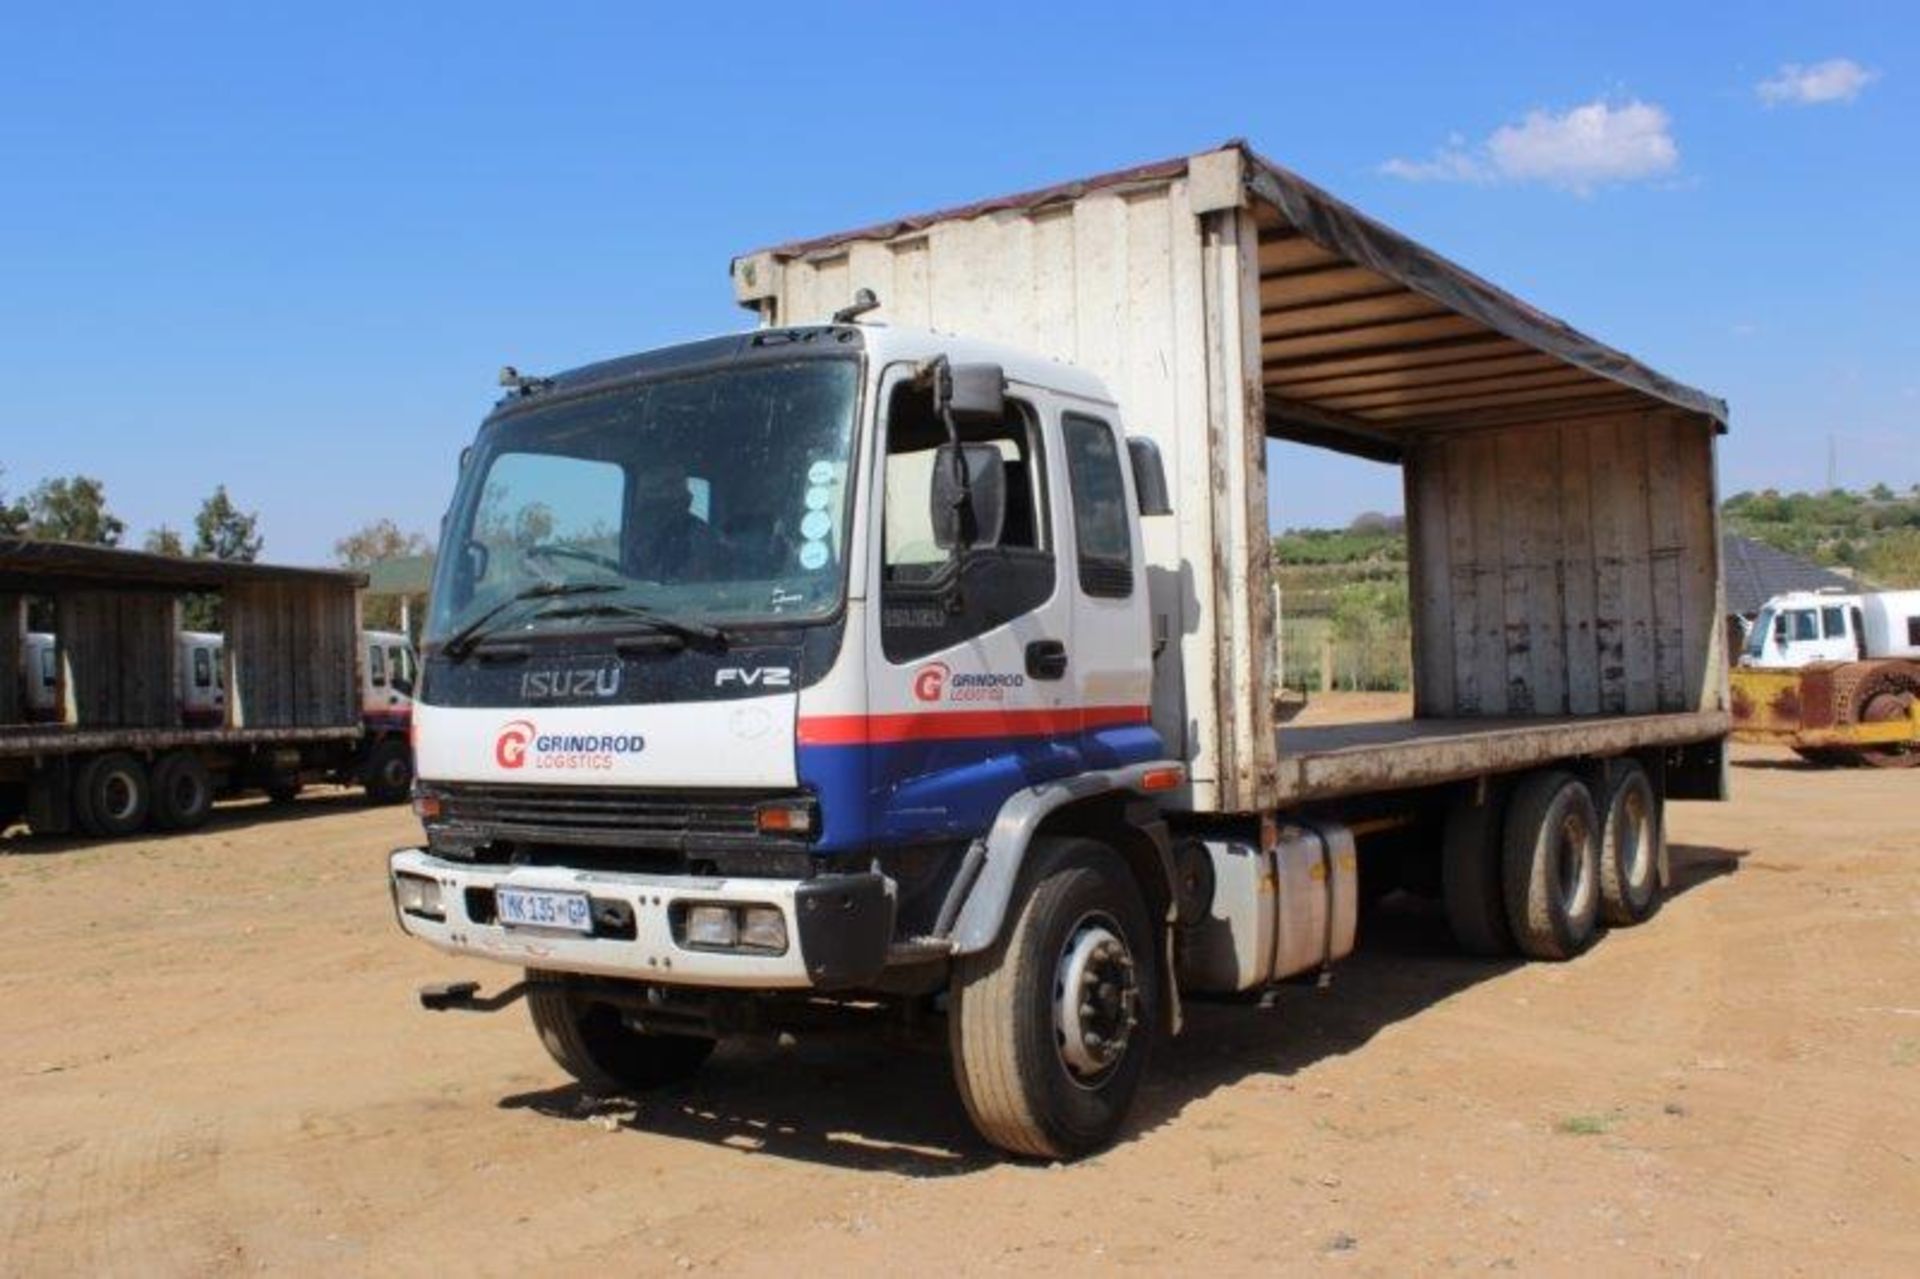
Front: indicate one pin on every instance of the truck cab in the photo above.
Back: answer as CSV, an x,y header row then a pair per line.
x,y
1803,627
742,654
387,680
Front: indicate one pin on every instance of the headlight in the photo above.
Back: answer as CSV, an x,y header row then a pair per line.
x,y
763,928
712,926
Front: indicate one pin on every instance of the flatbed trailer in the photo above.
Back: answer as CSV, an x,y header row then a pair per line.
x,y
119,752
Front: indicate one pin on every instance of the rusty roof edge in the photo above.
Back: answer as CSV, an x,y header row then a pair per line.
x,y
1338,227
44,557
1158,171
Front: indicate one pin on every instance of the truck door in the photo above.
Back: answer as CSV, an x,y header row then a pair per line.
x,y
1112,660
969,662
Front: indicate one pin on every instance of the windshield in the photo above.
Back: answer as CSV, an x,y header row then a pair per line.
x,y
1757,636
720,497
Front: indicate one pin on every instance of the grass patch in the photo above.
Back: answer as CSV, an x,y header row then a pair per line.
x,y
1586,1125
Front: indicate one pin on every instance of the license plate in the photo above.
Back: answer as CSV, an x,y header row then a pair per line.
x,y
542,908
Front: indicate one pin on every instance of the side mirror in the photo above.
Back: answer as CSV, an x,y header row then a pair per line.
x,y
975,514
1149,477
976,392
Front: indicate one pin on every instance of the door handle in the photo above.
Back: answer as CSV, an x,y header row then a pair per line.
x,y
1046,659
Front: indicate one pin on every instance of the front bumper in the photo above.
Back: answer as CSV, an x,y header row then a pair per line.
x,y
839,927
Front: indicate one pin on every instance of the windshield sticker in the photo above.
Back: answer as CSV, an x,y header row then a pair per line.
x,y
820,472
813,555
817,498
816,526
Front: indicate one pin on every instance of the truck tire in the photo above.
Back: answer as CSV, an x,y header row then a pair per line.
x,y
1886,695
1550,864
111,795
389,771
591,1042
1051,1028
1632,846
1472,883
182,791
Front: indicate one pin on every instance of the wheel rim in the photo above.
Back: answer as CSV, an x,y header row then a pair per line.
x,y
1096,999
118,798
1636,839
1576,879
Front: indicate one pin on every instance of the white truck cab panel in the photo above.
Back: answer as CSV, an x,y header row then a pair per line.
x,y
1803,627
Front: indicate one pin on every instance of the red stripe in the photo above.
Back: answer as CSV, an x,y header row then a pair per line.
x,y
918,726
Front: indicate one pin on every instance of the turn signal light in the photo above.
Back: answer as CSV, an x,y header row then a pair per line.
x,y
426,807
1160,779
784,819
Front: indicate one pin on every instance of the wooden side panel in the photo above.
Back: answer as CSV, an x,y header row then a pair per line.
x,y
13,644
1566,569
117,658
291,654
1430,581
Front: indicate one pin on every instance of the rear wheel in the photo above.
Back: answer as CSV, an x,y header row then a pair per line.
x,y
1051,1028
111,795
1550,864
1632,847
182,791
592,1042
1472,885
1887,697
389,771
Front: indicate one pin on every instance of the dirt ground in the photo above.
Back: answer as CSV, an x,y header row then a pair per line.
x,y
213,1063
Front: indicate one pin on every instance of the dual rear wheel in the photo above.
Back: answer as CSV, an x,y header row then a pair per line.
x,y
1540,868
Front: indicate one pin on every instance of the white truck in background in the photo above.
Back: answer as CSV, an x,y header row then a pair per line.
x,y
853,663
1835,676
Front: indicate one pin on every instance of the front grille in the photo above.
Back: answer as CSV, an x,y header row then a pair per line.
x,y
615,817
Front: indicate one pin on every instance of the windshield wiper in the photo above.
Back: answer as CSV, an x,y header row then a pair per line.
x,y
457,645
686,628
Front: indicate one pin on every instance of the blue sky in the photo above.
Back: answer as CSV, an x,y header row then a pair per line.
x,y
288,251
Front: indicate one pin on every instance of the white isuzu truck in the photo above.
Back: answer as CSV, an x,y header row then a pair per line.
x,y
914,650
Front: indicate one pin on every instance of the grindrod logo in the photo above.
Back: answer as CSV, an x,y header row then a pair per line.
x,y
510,748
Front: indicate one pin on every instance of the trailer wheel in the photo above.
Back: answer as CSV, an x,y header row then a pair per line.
x,y
591,1042
1632,846
389,771
1051,1028
1472,883
111,795
1551,866
182,791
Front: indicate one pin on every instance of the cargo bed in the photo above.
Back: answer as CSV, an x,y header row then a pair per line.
x,y
1328,761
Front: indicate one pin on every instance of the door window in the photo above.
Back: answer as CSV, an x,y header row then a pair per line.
x,y
926,603
1806,624
377,665
1833,621
202,668
1101,531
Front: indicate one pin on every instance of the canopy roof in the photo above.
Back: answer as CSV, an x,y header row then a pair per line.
x,y
30,564
1366,336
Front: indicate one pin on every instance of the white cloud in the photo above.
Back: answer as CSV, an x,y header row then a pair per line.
x,y
1590,145
1835,80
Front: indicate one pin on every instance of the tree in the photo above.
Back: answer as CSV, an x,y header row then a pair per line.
x,y
164,540
369,545
13,515
73,509
380,540
222,531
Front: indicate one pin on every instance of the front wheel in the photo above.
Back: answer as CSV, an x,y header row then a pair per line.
x,y
593,1043
1051,1028
389,771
